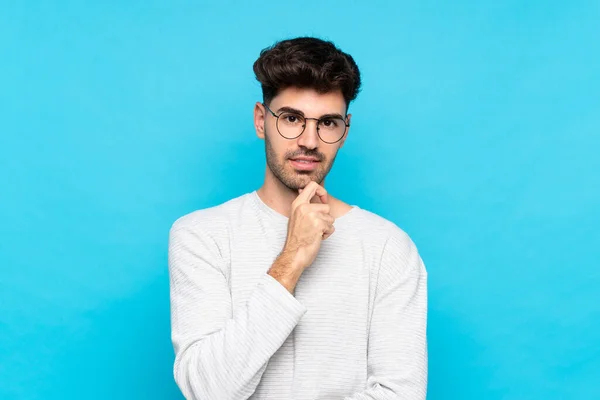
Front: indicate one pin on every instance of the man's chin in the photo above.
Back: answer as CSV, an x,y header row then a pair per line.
x,y
309,179
299,179
295,184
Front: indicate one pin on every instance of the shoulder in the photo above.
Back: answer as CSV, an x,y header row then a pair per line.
x,y
203,233
396,245
210,219
370,224
207,229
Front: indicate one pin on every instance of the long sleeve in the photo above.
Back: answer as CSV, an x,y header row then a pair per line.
x,y
219,355
397,347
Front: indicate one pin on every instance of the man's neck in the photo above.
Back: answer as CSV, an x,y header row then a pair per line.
x,y
279,198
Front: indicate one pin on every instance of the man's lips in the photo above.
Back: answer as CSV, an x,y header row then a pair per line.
x,y
313,159
304,163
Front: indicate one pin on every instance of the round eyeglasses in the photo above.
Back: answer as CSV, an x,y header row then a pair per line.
x,y
291,124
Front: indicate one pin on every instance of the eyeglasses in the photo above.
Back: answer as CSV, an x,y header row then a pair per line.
x,y
291,125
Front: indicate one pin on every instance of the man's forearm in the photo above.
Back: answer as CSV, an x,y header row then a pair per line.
x,y
375,393
229,363
219,353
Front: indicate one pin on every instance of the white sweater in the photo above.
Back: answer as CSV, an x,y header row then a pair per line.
x,y
355,327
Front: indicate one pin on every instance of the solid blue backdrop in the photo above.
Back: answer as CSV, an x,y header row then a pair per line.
x,y
477,132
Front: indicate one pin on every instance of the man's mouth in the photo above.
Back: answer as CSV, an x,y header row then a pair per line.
x,y
305,159
304,163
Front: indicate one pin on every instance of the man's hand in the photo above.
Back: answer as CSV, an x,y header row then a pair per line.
x,y
309,224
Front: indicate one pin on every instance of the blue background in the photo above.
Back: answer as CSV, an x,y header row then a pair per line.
x,y
477,132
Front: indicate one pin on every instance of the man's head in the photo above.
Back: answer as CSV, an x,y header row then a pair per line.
x,y
304,78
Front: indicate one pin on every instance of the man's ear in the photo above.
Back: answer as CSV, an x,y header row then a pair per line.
x,y
259,119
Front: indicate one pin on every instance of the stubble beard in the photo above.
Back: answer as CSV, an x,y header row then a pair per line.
x,y
291,178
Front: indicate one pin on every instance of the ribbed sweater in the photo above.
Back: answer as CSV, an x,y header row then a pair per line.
x,y
355,327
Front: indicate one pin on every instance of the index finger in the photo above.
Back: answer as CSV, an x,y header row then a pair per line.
x,y
310,190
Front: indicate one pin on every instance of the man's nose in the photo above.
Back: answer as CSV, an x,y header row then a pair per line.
x,y
310,136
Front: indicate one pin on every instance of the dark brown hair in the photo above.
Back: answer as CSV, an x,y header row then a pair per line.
x,y
306,62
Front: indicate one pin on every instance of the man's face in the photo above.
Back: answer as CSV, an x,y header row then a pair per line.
x,y
280,151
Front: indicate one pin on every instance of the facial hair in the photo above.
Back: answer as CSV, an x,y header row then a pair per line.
x,y
291,178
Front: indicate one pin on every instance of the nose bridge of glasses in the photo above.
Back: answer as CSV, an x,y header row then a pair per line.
x,y
317,122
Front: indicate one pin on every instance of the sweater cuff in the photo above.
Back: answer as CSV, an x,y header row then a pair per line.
x,y
282,299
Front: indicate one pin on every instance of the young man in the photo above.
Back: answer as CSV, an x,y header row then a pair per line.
x,y
287,292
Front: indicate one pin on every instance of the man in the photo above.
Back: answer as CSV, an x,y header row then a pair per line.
x,y
287,292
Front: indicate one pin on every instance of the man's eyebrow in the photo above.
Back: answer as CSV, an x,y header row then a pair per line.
x,y
299,112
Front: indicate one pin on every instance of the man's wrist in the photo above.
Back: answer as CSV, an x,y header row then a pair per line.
x,y
286,271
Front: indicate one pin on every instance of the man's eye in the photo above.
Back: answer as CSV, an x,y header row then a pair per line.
x,y
291,118
329,123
